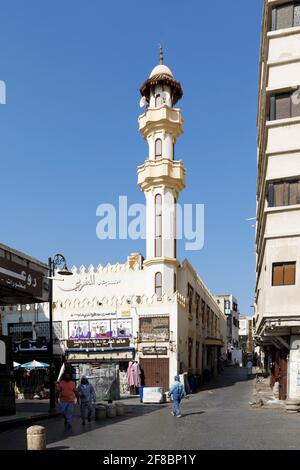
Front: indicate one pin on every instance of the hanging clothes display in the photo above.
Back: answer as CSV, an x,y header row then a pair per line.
x,y
136,372
130,379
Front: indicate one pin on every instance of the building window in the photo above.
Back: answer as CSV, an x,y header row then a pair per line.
x,y
284,193
197,354
203,313
175,227
286,16
158,225
284,274
235,306
175,283
284,106
158,100
158,285
158,149
197,306
190,352
190,292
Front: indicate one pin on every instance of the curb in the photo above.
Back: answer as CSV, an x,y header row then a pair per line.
x,y
14,423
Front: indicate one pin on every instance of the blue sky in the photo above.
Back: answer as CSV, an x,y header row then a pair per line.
x,y
69,135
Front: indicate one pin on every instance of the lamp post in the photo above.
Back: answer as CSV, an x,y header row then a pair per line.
x,y
58,261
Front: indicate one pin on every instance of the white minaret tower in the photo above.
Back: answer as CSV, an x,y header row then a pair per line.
x,y
161,177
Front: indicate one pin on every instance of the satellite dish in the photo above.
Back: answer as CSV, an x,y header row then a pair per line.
x,y
143,102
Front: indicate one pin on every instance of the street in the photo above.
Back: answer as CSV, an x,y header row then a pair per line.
x,y
218,417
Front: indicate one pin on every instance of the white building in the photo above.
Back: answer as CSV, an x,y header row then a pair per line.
x,y
278,195
229,305
154,310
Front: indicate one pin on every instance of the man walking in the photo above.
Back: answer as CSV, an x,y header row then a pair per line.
x,y
177,392
86,395
67,393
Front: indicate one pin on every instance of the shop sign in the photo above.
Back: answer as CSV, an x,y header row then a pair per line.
x,y
98,343
20,277
155,351
154,328
98,329
28,345
125,314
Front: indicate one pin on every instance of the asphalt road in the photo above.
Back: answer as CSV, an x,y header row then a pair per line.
x,y
218,417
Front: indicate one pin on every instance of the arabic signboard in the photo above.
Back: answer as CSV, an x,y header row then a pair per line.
x,y
154,328
88,280
155,351
90,329
21,278
98,343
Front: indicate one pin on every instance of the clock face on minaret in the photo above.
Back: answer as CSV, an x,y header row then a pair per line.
x,y
161,177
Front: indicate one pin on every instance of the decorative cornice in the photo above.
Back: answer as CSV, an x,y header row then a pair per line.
x,y
161,260
161,118
163,172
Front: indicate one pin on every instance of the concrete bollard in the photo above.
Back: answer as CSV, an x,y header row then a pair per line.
x,y
36,438
111,410
100,412
120,409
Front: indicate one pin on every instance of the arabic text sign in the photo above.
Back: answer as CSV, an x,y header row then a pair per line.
x,y
155,351
88,280
21,278
98,343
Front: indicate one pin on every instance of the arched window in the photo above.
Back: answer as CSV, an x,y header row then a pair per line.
x,y
158,101
158,285
158,149
158,225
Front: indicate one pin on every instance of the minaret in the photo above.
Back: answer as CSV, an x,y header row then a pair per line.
x,y
161,177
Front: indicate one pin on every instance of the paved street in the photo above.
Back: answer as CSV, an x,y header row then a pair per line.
x,y
219,417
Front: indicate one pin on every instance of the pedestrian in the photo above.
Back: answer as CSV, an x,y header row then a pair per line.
x,y
67,394
177,392
249,368
86,396
276,388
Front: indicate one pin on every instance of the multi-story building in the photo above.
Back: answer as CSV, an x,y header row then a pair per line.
x,y
246,338
278,194
229,305
156,310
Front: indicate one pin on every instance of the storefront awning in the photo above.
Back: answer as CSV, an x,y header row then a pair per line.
x,y
213,342
100,354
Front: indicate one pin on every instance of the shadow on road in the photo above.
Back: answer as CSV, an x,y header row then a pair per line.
x,y
191,414
227,378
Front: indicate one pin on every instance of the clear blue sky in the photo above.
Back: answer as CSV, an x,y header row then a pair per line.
x,y
69,136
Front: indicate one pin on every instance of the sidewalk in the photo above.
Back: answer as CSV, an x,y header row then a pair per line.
x,y
263,393
27,412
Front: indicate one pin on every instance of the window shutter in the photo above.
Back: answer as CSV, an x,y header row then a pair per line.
x,y
274,19
273,108
295,99
293,193
285,16
283,106
277,275
289,274
297,15
271,195
279,194
298,193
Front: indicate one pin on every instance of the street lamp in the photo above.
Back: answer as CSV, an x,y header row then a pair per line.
x,y
57,262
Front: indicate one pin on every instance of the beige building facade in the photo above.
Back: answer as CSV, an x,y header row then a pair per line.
x,y
278,195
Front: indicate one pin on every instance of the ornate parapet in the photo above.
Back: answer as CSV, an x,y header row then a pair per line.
x,y
163,117
169,173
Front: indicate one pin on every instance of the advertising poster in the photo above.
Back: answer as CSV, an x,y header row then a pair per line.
x,y
79,329
121,328
100,329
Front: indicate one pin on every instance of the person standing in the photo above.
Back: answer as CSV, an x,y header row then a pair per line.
x,y
86,396
177,392
67,394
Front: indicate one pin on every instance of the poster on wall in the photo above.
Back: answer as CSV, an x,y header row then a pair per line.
x,y
154,328
121,328
100,329
79,329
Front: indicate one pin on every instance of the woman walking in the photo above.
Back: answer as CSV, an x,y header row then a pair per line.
x,y
67,394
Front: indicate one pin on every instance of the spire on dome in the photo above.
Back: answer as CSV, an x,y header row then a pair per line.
x,y
161,55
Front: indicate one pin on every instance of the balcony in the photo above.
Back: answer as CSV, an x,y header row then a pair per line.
x,y
170,173
164,117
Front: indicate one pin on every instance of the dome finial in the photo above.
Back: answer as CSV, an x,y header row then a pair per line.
x,y
161,55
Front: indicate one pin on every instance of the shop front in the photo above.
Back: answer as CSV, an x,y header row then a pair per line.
x,y
23,280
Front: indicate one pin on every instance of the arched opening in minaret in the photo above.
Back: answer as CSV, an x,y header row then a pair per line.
x,y
158,225
158,149
158,285
158,100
